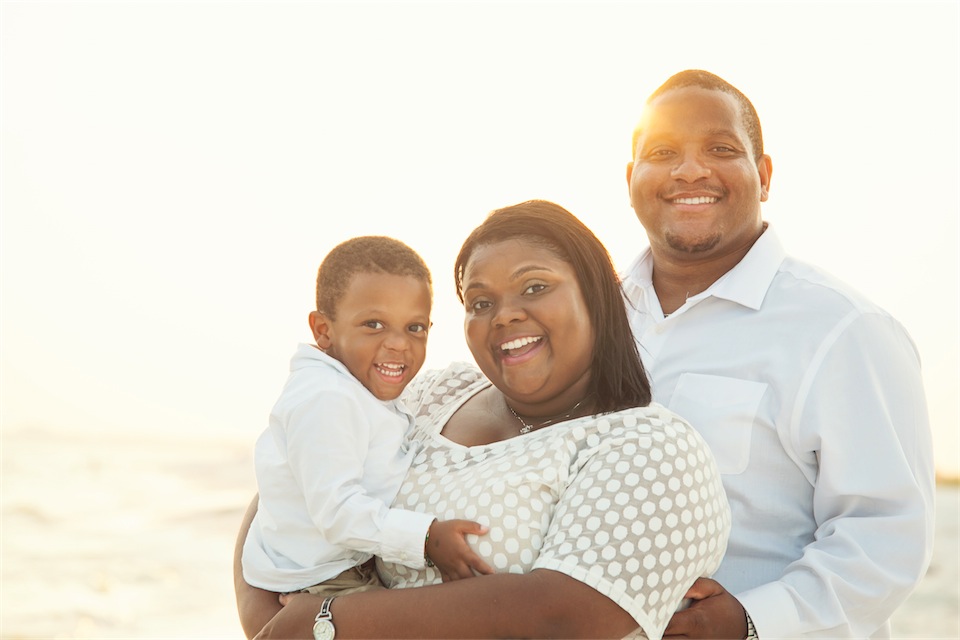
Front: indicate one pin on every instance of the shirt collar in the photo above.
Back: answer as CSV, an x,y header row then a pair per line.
x,y
746,284
307,352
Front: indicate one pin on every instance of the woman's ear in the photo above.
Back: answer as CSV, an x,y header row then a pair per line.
x,y
320,326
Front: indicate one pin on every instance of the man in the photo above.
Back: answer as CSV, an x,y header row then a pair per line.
x,y
810,396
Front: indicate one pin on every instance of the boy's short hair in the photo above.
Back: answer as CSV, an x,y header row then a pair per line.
x,y
365,254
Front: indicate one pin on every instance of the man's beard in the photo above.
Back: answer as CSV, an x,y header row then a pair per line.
x,y
680,243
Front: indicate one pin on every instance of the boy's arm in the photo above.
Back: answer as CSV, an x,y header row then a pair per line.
x,y
328,438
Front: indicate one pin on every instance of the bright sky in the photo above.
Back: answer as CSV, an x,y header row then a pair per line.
x,y
173,172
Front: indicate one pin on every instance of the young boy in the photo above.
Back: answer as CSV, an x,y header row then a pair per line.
x,y
333,457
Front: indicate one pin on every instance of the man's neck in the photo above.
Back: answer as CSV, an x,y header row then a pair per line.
x,y
678,277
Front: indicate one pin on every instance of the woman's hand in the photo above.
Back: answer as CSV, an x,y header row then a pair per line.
x,y
296,618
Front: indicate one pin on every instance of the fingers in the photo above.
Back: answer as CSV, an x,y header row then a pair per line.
x,y
704,588
468,526
479,566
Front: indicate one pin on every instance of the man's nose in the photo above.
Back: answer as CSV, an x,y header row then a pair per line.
x,y
690,167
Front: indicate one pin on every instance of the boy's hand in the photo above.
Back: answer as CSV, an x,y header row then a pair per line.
x,y
448,549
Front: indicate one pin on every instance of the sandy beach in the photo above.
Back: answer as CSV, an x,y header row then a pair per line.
x,y
131,535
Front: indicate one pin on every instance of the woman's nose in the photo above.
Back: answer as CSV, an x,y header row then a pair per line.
x,y
508,312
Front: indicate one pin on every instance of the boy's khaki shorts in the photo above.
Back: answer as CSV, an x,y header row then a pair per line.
x,y
363,577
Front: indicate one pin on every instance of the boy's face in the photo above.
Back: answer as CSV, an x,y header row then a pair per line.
x,y
380,331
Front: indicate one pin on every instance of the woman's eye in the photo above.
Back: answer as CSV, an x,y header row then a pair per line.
x,y
534,288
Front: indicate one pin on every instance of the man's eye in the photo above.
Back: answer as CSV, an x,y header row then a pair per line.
x,y
658,154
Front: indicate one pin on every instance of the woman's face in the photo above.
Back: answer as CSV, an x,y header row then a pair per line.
x,y
527,325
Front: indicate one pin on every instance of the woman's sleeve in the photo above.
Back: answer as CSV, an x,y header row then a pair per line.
x,y
642,516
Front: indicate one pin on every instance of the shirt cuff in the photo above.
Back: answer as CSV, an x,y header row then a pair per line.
x,y
404,533
772,611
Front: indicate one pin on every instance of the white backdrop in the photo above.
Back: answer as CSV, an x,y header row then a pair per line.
x,y
173,172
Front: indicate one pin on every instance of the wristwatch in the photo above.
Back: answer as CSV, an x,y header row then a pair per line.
x,y
323,624
751,630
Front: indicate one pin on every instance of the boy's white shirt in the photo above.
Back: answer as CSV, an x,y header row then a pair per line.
x,y
328,467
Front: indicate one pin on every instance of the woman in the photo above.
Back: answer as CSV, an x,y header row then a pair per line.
x,y
603,509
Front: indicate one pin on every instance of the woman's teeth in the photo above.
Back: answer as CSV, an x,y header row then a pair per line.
x,y
519,342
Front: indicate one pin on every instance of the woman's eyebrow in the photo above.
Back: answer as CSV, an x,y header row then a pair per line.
x,y
526,269
519,273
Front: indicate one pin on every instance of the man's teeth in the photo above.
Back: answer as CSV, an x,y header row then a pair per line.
x,y
390,369
697,200
519,342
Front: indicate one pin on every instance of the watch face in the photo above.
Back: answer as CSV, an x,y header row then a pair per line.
x,y
323,630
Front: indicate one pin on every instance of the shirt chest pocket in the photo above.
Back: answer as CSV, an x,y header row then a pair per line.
x,y
723,410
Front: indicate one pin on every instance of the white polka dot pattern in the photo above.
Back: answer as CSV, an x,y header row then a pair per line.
x,y
629,503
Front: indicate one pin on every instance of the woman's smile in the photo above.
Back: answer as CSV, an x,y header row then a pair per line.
x,y
520,350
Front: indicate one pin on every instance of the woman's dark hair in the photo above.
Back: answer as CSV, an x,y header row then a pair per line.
x,y
617,377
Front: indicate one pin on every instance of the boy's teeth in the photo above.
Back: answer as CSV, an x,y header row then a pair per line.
x,y
697,200
390,369
519,342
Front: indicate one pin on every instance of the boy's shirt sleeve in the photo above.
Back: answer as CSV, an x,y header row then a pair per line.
x,y
328,439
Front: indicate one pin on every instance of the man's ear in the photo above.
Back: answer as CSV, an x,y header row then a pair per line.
x,y
320,326
765,168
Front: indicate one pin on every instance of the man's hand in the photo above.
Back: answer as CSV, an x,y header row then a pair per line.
x,y
714,613
449,551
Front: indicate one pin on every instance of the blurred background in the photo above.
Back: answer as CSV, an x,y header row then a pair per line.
x,y
173,173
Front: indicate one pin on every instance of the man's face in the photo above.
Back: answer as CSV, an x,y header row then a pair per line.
x,y
694,182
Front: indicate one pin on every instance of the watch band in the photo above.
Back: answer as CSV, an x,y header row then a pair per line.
x,y
751,630
323,628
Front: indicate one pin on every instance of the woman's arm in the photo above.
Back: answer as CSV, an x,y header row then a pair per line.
x,y
256,606
540,604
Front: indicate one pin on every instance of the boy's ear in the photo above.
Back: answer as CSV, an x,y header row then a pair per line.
x,y
320,326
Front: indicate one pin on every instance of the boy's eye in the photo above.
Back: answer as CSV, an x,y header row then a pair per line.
x,y
373,324
417,328
480,305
